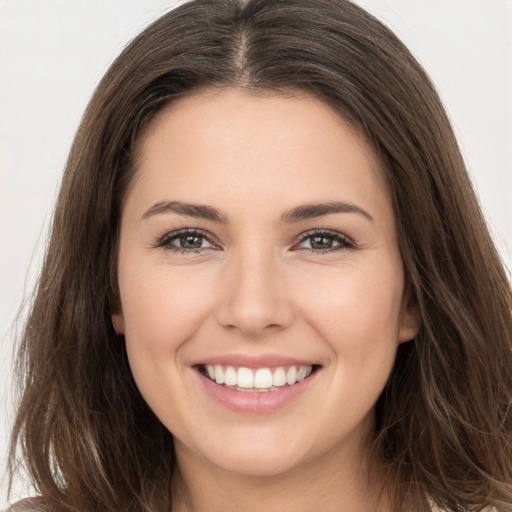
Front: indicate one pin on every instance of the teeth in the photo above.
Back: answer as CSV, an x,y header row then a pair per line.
x,y
219,374
262,379
291,376
244,378
230,376
279,377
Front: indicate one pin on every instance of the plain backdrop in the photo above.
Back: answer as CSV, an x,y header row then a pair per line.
x,y
53,52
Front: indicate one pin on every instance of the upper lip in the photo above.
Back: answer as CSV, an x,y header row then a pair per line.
x,y
253,361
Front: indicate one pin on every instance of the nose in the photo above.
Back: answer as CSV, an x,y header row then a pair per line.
x,y
255,300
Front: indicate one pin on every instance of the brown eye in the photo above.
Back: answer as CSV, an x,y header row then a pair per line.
x,y
191,241
324,241
321,242
185,240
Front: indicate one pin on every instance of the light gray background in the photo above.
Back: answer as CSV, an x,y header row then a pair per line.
x,y
53,52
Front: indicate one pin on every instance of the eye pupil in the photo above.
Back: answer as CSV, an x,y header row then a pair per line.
x,y
191,241
321,242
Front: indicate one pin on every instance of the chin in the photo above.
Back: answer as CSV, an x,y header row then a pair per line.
x,y
262,464
247,453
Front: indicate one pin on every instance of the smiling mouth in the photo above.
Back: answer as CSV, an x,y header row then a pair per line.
x,y
259,380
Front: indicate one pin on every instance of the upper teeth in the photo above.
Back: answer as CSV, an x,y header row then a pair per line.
x,y
261,378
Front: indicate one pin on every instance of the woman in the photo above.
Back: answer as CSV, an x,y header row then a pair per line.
x,y
269,284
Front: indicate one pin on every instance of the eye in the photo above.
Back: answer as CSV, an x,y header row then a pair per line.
x,y
185,240
323,241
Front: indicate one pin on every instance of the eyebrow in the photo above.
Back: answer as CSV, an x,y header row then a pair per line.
x,y
303,212
188,209
312,211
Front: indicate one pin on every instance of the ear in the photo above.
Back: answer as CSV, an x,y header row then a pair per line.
x,y
410,317
117,319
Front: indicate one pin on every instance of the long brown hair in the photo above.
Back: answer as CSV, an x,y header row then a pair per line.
x,y
444,423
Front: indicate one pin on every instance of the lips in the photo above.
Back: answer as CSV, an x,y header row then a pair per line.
x,y
255,384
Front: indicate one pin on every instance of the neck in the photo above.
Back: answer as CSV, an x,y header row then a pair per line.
x,y
328,484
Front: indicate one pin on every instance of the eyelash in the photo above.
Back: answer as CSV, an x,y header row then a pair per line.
x,y
165,242
343,240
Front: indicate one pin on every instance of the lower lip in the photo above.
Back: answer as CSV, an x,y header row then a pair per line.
x,y
255,402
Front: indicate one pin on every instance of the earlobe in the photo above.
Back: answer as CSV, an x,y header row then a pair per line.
x,y
118,323
410,319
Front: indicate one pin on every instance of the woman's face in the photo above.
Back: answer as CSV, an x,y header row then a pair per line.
x,y
258,247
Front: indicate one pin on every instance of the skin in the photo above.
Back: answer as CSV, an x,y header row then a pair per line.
x,y
255,286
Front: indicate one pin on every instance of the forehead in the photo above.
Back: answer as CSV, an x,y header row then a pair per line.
x,y
232,140
254,109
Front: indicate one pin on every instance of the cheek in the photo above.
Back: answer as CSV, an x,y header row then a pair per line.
x,y
162,309
355,306
358,318
357,315
163,305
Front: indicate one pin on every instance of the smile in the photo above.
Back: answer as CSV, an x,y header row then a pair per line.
x,y
256,379
256,384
